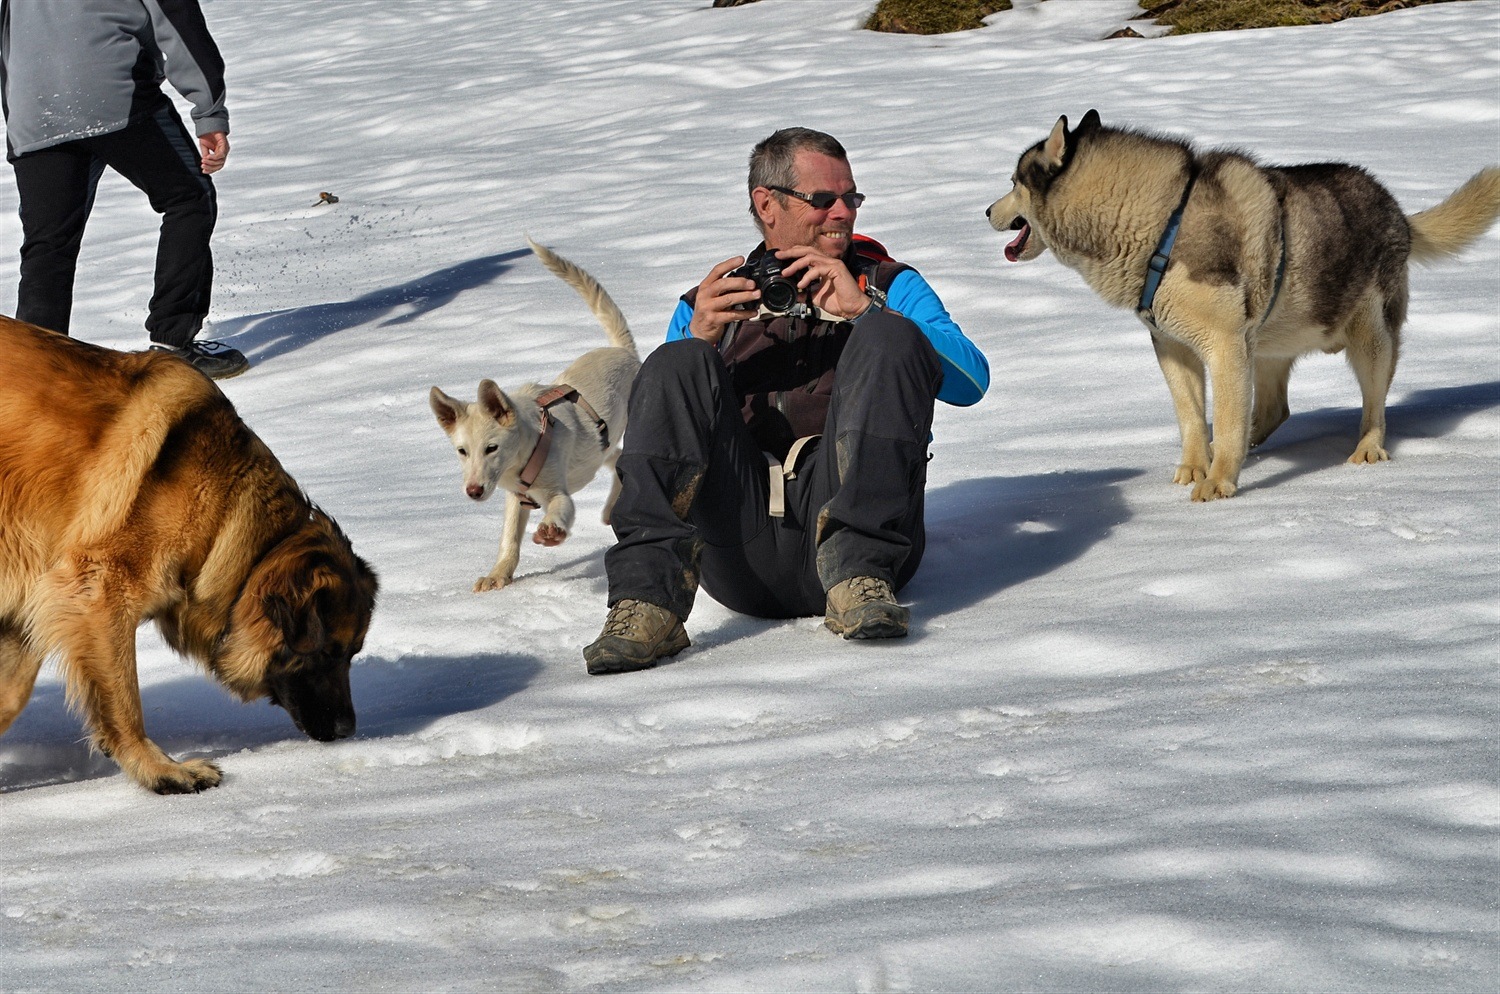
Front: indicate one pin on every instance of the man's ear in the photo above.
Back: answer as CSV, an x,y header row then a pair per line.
x,y
763,201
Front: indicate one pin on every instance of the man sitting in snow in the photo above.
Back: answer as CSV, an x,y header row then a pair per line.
x,y
829,378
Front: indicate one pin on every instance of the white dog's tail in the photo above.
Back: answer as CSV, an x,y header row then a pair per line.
x,y
615,326
1454,224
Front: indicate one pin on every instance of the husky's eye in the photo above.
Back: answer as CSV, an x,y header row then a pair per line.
x,y
462,451
491,449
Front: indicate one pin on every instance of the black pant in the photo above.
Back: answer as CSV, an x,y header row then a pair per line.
x,y
695,491
56,186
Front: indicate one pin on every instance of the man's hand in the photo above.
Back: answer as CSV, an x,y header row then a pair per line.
x,y
837,293
720,301
215,146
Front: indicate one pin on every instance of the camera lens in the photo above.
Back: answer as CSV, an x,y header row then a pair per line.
x,y
778,294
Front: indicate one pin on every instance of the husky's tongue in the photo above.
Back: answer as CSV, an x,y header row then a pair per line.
x,y
1013,250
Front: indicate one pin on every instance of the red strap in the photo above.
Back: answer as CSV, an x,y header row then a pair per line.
x,y
871,249
533,466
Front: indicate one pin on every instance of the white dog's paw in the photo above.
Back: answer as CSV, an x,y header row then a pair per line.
x,y
547,534
1369,453
1213,490
1187,475
492,582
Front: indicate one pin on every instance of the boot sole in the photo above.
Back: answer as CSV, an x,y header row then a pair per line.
x,y
880,627
603,661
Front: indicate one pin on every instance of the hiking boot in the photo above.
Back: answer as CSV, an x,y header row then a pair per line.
x,y
215,360
863,607
635,636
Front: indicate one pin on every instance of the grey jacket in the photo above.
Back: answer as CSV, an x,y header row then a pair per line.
x,y
76,68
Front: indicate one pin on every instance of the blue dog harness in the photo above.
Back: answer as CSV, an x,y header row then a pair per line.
x,y
1156,268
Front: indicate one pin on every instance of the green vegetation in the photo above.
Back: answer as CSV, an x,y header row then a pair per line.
x,y
932,17
1192,16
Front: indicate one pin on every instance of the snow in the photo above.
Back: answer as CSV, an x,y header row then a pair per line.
x,y
1133,743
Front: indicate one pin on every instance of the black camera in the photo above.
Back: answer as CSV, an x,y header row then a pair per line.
x,y
778,293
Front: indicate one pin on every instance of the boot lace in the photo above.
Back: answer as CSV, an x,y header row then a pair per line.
x,y
864,589
627,619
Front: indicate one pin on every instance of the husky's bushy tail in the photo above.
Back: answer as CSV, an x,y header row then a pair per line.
x,y
1454,224
615,326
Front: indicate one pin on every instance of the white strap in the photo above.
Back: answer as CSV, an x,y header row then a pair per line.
x,y
776,496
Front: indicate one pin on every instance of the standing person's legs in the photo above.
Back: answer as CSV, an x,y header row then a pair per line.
x,y
159,157
55,187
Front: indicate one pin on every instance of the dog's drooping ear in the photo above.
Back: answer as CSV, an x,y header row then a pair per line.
x,y
494,403
447,409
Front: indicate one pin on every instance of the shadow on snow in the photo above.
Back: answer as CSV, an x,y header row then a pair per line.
x,y
274,333
985,535
1324,438
194,716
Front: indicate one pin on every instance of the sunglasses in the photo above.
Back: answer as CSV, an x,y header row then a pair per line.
x,y
822,200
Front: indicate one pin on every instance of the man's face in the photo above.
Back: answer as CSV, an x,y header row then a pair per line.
x,y
799,223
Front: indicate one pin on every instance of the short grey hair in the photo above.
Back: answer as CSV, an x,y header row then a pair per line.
x,y
773,161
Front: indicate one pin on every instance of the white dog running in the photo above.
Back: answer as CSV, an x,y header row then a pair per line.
x,y
541,444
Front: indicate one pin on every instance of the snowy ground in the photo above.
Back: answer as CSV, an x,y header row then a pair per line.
x,y
1132,744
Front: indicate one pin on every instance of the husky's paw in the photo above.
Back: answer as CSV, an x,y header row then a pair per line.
x,y
492,582
187,777
1187,475
549,534
1369,453
1213,490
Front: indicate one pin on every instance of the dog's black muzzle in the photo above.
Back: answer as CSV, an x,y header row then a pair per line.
x,y
320,703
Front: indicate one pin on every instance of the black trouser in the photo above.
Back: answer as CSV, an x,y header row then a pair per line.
x,y
695,491
56,186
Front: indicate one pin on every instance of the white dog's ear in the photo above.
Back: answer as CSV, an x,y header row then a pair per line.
x,y
494,403
1056,144
447,409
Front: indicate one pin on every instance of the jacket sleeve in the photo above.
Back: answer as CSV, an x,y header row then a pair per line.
x,y
194,66
677,328
966,372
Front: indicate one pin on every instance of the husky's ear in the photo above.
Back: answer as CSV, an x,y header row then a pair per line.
x,y
447,409
1090,123
1056,145
494,403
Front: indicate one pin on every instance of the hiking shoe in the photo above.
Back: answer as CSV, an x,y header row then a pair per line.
x,y
215,360
635,636
863,607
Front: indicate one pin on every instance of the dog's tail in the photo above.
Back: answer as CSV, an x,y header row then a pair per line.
x,y
1454,224
615,326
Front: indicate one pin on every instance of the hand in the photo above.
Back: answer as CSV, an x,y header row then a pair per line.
x,y
215,146
720,301
837,292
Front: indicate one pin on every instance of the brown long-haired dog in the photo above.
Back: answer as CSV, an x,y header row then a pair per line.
x,y
131,490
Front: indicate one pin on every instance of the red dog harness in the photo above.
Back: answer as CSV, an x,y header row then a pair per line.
x,y
533,467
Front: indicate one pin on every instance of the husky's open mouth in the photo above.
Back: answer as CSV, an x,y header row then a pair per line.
x,y
1014,249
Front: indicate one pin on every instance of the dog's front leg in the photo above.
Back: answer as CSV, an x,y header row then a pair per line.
x,y
93,632
511,531
557,522
19,664
1229,369
1183,371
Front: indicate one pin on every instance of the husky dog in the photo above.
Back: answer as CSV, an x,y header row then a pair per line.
x,y
540,444
1269,263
